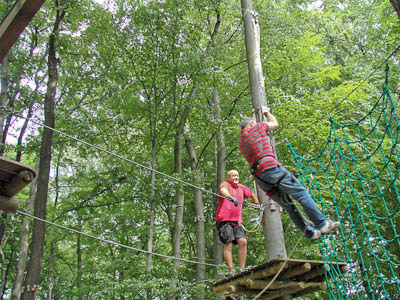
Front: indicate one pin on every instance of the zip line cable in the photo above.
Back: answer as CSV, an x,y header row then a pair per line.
x,y
163,174
116,243
118,156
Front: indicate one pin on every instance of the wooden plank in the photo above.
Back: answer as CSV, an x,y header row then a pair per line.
x,y
15,22
297,277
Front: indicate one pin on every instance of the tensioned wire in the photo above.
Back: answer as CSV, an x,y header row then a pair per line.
x,y
164,174
16,114
148,168
116,243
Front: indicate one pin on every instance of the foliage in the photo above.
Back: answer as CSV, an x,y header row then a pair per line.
x,y
126,69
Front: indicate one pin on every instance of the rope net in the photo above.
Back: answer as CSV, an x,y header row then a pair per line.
x,y
355,177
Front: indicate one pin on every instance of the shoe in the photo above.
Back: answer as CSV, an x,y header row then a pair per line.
x,y
329,227
317,234
233,272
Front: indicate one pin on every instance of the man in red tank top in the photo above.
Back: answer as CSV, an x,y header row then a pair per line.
x,y
229,218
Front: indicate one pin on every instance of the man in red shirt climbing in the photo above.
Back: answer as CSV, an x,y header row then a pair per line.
x,y
276,181
229,218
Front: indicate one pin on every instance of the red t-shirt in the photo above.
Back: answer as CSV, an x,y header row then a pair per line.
x,y
227,211
255,144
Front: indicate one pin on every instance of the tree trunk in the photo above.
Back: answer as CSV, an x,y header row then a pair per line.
x,y
35,263
180,197
220,167
3,271
24,241
3,104
199,220
273,231
396,6
151,225
79,260
3,99
51,265
22,133
274,240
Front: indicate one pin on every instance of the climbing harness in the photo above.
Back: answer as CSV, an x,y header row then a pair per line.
x,y
258,219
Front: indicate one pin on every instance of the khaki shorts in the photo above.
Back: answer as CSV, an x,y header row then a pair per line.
x,y
230,231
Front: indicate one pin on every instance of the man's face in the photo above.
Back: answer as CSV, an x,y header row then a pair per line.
x,y
252,123
233,177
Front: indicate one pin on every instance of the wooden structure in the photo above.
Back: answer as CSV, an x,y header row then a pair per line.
x,y
14,176
15,22
296,278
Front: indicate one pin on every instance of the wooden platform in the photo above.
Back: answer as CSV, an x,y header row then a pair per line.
x,y
15,22
297,278
14,176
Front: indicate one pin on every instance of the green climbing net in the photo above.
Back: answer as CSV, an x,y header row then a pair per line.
x,y
355,176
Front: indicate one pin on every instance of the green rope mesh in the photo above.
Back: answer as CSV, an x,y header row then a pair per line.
x,y
354,178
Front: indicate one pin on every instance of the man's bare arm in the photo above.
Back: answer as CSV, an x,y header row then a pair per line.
x,y
272,122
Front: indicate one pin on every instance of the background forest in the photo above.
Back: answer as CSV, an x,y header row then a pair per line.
x,y
136,86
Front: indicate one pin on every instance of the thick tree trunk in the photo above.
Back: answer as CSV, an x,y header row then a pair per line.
x,y
274,239
35,263
220,167
24,242
199,220
273,230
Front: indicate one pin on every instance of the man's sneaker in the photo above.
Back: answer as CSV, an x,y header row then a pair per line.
x,y
329,227
317,234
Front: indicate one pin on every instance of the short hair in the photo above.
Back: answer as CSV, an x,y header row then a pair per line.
x,y
232,171
246,122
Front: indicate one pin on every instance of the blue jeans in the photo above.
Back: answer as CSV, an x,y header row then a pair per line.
x,y
290,186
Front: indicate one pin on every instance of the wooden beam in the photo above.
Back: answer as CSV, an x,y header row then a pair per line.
x,y
15,22
293,272
8,203
17,183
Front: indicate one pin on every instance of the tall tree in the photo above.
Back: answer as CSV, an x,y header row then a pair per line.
x,y
32,280
198,218
273,231
24,243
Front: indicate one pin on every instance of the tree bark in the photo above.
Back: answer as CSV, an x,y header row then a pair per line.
x,y
180,198
220,167
24,241
3,99
35,263
396,6
22,133
151,223
199,219
79,260
274,240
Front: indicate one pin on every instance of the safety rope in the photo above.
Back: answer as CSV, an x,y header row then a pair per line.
x,y
116,243
17,114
